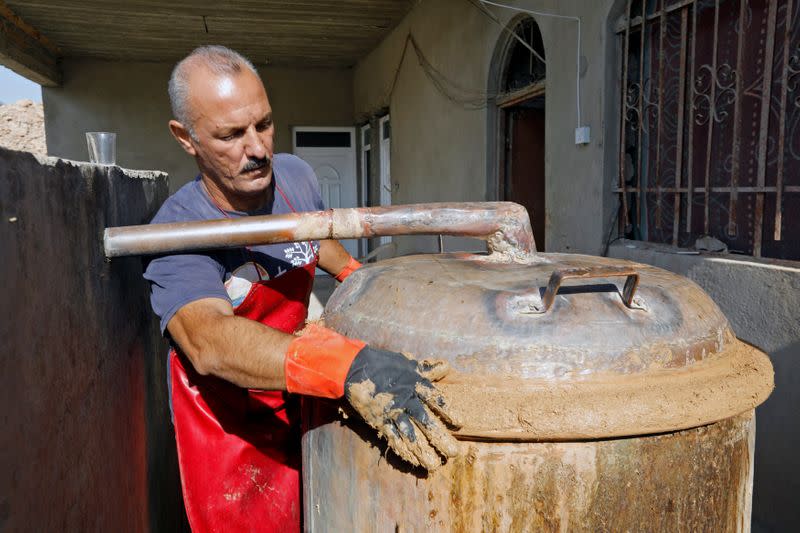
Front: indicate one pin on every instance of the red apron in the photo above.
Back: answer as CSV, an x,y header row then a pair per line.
x,y
239,449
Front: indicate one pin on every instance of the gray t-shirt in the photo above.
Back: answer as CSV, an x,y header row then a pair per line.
x,y
178,279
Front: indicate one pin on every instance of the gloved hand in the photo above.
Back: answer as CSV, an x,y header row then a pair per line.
x,y
394,394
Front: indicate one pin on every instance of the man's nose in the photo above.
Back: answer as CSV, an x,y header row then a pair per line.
x,y
255,146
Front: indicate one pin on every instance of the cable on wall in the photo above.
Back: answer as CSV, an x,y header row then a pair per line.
x,y
470,99
512,33
581,132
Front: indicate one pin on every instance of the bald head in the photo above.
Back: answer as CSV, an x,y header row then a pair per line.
x,y
224,120
218,61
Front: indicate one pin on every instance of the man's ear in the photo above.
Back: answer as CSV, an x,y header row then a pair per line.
x,y
181,134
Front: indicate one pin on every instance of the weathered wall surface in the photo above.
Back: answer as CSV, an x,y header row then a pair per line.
x,y
86,443
131,99
439,147
762,302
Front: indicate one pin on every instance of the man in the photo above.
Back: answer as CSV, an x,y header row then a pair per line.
x,y
230,316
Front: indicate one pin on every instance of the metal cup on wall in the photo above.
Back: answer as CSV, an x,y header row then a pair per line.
x,y
102,147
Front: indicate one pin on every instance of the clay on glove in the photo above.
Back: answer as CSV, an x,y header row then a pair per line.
x,y
395,395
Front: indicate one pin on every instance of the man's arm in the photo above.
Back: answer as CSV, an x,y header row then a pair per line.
x,y
333,258
394,394
237,349
242,351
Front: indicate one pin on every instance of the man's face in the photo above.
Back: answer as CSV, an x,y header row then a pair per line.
x,y
234,133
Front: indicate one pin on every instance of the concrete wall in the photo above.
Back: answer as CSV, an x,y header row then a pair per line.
x,y
131,99
440,149
762,302
86,443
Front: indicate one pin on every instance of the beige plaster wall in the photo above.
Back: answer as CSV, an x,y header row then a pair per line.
x,y
439,147
131,99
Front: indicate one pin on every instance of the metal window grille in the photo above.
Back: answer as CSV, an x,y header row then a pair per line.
x,y
710,123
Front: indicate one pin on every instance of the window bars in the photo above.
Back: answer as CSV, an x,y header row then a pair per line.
x,y
710,123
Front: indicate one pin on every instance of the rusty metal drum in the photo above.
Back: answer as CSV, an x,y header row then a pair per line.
x,y
595,395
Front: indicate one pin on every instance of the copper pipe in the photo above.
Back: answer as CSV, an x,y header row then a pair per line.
x,y
504,226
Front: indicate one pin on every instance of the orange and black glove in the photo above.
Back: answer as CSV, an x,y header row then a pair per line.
x,y
394,394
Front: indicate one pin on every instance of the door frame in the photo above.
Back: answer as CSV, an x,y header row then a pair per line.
x,y
507,172
502,135
363,148
363,173
496,123
385,174
351,129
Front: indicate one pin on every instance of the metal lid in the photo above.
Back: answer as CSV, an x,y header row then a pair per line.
x,y
494,318
568,335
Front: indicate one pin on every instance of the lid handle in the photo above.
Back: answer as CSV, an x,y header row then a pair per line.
x,y
558,276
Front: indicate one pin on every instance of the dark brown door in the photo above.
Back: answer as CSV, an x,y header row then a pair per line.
x,y
524,179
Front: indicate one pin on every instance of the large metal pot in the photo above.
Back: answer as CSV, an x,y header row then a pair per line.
x,y
596,394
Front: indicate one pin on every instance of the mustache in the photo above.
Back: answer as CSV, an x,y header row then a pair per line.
x,y
256,163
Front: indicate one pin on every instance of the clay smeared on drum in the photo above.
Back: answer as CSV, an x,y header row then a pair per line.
x,y
611,405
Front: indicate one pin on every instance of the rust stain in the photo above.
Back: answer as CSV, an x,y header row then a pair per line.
x,y
692,480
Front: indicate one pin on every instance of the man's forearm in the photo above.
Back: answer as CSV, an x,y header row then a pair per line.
x,y
332,257
250,354
239,350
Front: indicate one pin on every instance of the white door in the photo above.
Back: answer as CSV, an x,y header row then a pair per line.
x,y
331,152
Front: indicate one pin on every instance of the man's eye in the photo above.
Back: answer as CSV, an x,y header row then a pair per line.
x,y
264,125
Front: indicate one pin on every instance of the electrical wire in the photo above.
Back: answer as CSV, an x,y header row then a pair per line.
x,y
470,99
467,98
506,29
578,51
